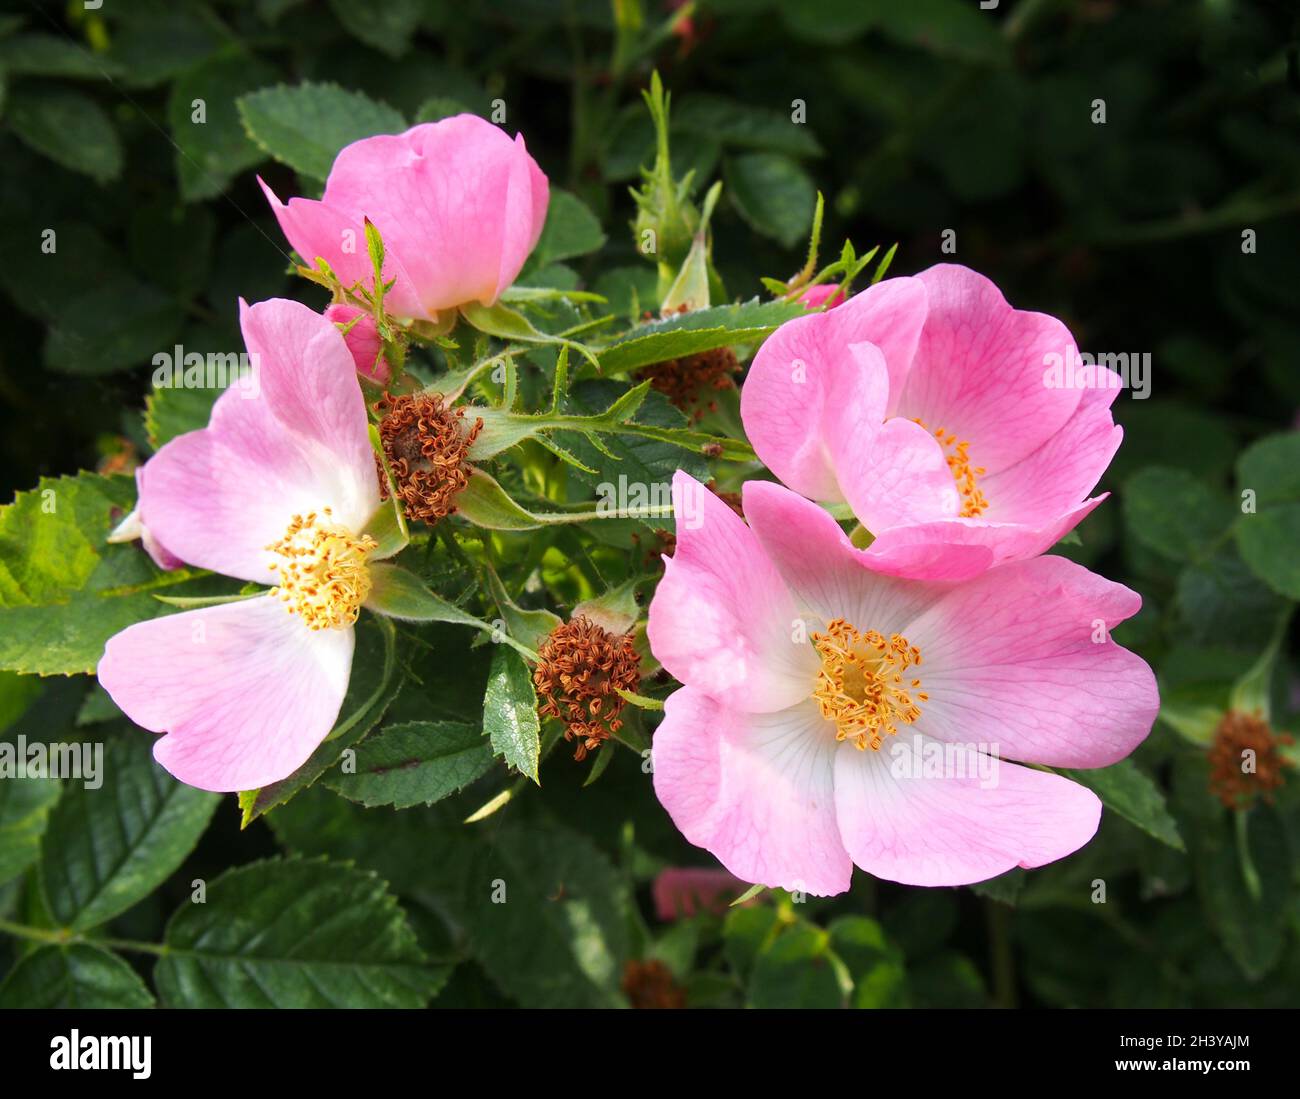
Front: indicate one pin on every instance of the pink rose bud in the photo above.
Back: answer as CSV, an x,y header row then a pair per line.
x,y
459,206
362,340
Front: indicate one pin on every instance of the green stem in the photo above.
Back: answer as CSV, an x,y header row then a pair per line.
x,y
1249,875
64,936
1001,957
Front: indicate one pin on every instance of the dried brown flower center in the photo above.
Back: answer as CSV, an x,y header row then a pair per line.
x,y
687,381
426,442
581,670
650,984
1245,761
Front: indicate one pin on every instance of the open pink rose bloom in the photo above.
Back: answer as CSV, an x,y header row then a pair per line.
x,y
276,490
459,206
941,415
832,715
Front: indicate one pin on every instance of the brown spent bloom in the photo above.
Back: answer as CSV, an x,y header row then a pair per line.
x,y
685,381
1230,781
650,984
425,441
581,669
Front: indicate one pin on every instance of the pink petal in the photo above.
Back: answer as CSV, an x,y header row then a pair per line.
x,y
362,338
1013,659
948,829
958,549
296,442
830,577
721,620
458,204
682,891
1054,478
806,380
244,691
754,789
979,370
826,293
339,237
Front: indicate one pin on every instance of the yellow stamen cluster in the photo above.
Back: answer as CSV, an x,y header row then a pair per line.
x,y
862,685
967,476
323,574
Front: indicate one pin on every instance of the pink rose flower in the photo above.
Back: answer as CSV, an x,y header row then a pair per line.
x,y
832,715
941,415
362,338
275,490
458,203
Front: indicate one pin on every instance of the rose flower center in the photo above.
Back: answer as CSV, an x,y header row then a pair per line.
x,y
323,576
863,685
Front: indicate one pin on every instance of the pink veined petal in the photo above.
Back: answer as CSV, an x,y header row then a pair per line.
x,y
754,789
1021,658
826,572
947,829
959,549
315,229
527,198
721,620
362,338
980,367
1054,478
293,443
243,691
458,201
806,379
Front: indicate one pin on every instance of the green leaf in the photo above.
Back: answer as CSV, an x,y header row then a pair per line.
x,y
773,194
387,25
68,127
876,964
510,712
571,229
1172,512
306,126
485,503
797,970
63,590
107,848
1134,796
121,323
375,682
78,976
173,410
52,55
691,333
295,933
25,805
1267,541
212,152
1270,468
742,126
418,762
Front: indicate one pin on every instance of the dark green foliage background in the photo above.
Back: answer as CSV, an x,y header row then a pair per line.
x,y
923,116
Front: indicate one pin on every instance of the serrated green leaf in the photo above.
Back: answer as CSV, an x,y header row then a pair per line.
x,y
305,126
212,151
75,976
387,25
109,847
691,333
571,229
68,127
773,194
63,590
419,762
797,969
295,933
510,712
1172,512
